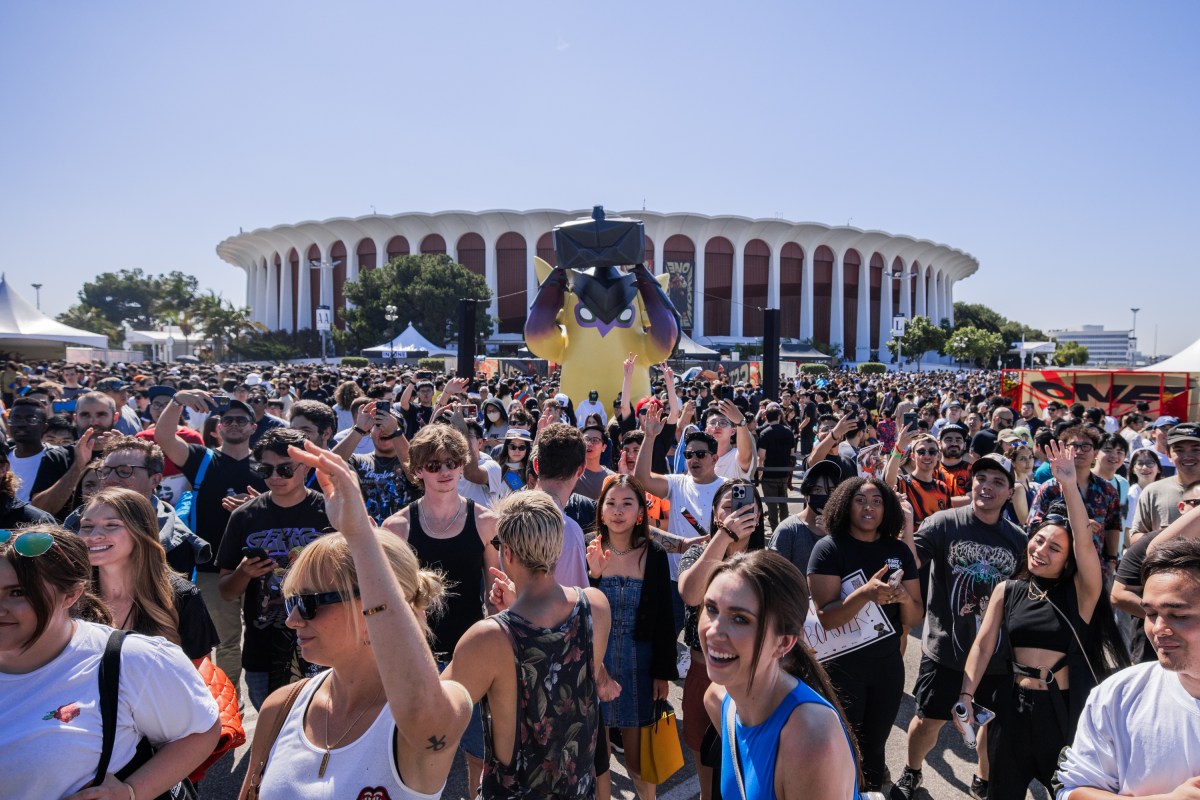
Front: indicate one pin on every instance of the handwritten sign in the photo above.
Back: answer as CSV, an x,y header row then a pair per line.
x,y
869,625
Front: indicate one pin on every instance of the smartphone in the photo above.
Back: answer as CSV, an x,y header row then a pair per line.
x,y
742,496
221,399
255,552
967,720
470,410
909,419
895,578
383,407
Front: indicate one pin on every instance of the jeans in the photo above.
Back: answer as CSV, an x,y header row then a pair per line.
x,y
227,618
258,685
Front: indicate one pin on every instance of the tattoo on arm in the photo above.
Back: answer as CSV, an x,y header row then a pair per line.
x,y
436,743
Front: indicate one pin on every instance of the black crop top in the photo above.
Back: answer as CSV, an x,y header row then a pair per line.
x,y
1034,622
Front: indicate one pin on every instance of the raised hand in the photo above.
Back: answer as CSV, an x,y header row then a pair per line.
x,y
366,417
1062,463
652,423
503,592
904,437
731,411
628,364
339,483
597,557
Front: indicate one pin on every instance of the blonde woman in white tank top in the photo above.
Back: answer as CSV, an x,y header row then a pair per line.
x,y
352,731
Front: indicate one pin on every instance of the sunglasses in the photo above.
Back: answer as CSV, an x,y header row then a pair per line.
x,y
1054,519
437,466
257,401
1191,503
925,453
496,542
31,544
123,471
719,422
521,447
696,453
240,422
307,604
285,470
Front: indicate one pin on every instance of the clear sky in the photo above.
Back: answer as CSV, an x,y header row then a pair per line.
x,y
1056,142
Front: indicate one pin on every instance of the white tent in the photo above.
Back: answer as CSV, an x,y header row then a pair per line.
x,y
409,341
690,347
26,329
1187,360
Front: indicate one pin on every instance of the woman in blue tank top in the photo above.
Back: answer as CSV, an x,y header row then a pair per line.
x,y
789,739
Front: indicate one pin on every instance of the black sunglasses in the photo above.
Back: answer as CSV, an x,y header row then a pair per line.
x,y
1054,519
496,542
696,454
285,470
307,604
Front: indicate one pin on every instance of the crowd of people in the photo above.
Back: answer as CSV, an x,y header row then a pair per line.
x,y
394,565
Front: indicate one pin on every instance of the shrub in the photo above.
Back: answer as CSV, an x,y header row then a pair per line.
x,y
354,361
872,368
434,365
814,369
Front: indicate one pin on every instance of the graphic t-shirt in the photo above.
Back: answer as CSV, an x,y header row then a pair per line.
x,y
926,497
225,476
385,488
854,562
282,532
966,558
697,498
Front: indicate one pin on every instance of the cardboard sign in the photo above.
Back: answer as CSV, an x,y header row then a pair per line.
x,y
1117,392
869,625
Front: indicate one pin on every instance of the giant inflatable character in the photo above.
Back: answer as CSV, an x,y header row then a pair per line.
x,y
594,308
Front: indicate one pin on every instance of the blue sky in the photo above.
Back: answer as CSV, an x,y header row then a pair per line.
x,y
1056,142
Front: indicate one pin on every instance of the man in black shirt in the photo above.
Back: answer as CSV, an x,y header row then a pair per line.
x,y
263,538
776,452
381,476
48,475
227,478
984,442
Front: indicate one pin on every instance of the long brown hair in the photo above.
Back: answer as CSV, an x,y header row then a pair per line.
x,y
153,610
641,528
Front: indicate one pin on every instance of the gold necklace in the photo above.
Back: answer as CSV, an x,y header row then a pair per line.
x,y
444,528
328,714
1036,594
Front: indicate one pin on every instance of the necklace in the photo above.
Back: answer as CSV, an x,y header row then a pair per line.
x,y
1035,592
444,528
617,552
328,714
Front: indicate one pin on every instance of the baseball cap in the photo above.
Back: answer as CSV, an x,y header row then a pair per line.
x,y
994,461
1185,432
953,427
160,391
112,385
562,400
1164,422
1009,435
239,405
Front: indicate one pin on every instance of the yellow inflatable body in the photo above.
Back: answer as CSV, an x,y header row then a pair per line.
x,y
562,329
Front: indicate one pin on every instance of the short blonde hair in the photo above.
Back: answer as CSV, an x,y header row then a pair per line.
x,y
326,564
530,525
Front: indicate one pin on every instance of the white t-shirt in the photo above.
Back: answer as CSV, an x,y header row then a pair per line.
x,y
696,498
365,446
728,467
26,469
51,731
571,569
1139,735
484,495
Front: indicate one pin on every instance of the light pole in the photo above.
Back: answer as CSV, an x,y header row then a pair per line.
x,y
1133,338
891,273
37,287
324,325
391,317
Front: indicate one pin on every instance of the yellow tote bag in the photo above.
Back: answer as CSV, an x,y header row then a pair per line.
x,y
661,753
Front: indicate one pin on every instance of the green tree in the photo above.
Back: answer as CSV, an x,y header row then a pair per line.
x,y
977,315
222,322
87,318
920,337
1069,354
978,346
425,290
137,298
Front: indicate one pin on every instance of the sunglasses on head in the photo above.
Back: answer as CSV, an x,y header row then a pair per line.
x,y
30,544
695,453
307,604
437,466
286,470
1054,519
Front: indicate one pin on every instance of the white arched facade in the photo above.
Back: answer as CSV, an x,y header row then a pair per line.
x,y
841,285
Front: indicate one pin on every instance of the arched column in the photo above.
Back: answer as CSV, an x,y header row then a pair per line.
x,y
698,293
489,274
252,289
837,322
286,300
262,296
737,293
921,310
806,293
886,292
773,278
862,338
304,296
950,301
272,294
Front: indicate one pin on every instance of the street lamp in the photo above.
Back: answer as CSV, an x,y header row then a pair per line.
x,y
324,324
37,287
1133,338
891,273
391,317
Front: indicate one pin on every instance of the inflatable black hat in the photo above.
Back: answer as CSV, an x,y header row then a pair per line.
x,y
593,249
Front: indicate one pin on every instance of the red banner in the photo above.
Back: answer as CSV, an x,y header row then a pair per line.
x,y
1117,392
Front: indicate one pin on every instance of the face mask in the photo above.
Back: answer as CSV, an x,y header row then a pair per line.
x,y
817,502
493,415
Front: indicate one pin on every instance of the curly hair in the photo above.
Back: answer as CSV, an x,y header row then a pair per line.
x,y
837,508
431,440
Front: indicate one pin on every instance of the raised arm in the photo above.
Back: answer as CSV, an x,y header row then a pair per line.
x,y
894,461
673,405
54,497
363,422
652,482
543,334
165,436
662,320
1088,577
627,367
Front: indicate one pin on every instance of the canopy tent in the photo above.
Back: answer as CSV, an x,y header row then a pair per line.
x,y
25,329
690,347
1187,360
168,344
793,351
410,341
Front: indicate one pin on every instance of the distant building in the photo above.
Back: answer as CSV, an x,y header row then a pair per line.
x,y
1106,348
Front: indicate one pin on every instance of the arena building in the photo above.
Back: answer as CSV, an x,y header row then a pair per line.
x,y
828,282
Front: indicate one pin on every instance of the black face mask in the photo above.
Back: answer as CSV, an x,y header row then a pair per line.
x,y
817,502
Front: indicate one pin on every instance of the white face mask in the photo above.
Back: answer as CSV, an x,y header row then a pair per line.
x,y
493,415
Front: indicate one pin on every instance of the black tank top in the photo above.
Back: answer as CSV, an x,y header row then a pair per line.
x,y
460,559
1034,622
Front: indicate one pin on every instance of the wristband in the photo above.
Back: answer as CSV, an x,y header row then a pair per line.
x,y
966,694
391,436
360,431
129,786
897,453
729,533
370,612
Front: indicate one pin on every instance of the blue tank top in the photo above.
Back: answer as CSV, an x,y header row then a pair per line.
x,y
758,747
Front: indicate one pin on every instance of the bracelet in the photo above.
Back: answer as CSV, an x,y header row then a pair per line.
x,y
729,533
129,786
370,612
897,453
360,431
966,694
395,435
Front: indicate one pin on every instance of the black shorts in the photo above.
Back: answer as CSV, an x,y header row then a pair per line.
x,y
938,687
